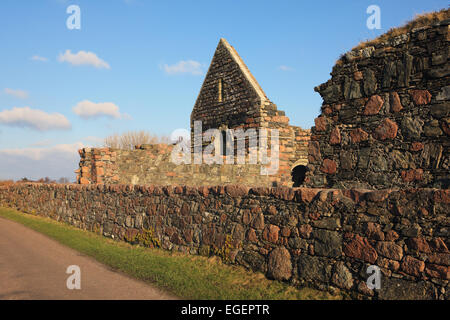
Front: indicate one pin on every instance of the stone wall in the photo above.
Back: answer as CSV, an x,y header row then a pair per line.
x,y
324,238
151,164
230,98
385,115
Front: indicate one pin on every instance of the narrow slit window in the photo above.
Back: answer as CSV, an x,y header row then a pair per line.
x,y
220,90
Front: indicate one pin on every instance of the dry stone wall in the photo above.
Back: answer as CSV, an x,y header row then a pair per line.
x,y
385,115
324,238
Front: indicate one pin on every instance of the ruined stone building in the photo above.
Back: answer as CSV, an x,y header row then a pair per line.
x,y
384,123
230,98
385,115
375,192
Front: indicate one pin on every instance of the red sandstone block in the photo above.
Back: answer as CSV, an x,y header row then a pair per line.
x,y
306,195
386,130
390,250
328,166
358,135
284,193
396,104
360,248
412,175
416,146
270,233
436,271
373,106
419,244
321,123
335,136
420,97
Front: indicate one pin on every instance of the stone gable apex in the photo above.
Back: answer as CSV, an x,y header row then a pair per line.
x,y
244,69
229,78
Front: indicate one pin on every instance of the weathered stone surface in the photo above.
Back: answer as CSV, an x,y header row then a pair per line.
x,y
313,268
321,123
328,243
440,110
271,233
347,160
373,106
279,266
358,135
328,166
360,248
342,277
420,97
304,238
395,102
370,82
398,289
314,154
386,130
413,266
444,94
412,128
335,136
390,250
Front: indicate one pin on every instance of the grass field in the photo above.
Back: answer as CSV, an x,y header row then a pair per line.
x,y
186,276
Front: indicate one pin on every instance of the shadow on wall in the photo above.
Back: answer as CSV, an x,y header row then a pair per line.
x,y
298,175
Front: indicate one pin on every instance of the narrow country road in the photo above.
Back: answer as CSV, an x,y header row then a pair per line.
x,y
33,266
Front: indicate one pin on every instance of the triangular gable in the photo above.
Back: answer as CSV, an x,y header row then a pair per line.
x,y
241,91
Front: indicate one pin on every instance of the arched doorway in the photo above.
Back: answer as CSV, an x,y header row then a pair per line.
x,y
298,175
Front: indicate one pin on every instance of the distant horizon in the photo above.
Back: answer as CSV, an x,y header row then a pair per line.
x,y
139,65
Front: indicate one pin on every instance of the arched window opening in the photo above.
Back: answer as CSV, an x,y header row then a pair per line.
x,y
298,175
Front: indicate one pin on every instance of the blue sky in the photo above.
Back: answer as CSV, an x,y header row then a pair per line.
x,y
134,72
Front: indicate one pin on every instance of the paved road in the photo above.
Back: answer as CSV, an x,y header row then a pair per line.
x,y
33,266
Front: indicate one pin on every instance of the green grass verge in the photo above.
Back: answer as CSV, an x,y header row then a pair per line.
x,y
186,276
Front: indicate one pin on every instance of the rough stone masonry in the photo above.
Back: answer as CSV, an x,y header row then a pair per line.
x,y
324,238
386,115
384,125
230,98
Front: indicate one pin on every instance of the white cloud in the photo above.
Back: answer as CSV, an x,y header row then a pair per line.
x,y
189,66
285,68
34,163
88,109
21,94
40,153
34,119
39,58
83,58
